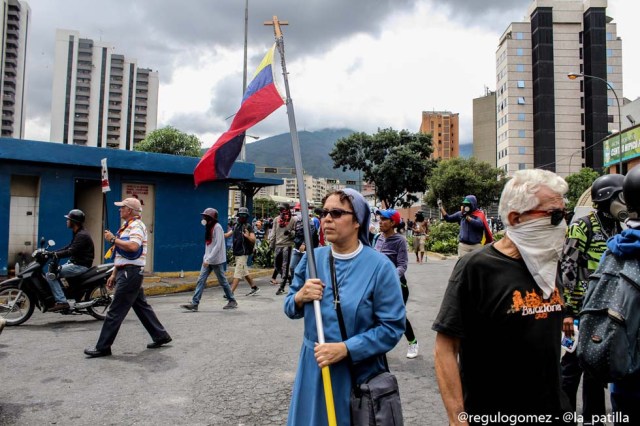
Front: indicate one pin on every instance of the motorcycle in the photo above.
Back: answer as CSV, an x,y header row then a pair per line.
x,y
86,293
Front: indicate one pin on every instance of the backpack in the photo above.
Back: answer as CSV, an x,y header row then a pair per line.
x,y
609,337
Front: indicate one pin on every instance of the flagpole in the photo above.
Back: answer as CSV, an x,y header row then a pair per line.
x,y
304,209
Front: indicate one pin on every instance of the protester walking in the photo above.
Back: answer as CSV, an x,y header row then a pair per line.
x,y
497,348
214,260
281,242
420,231
394,246
244,240
585,244
370,301
130,246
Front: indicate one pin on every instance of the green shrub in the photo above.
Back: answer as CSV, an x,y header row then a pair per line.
x,y
443,238
263,255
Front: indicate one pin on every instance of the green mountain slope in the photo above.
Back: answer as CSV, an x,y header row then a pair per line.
x,y
315,146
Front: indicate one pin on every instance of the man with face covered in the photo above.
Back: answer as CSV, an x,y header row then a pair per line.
x,y
473,225
244,240
586,242
281,241
497,349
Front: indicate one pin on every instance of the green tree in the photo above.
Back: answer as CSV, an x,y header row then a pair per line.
x,y
264,207
452,179
395,161
170,140
578,183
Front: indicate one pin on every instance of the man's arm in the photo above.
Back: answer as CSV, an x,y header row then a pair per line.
x,y
448,374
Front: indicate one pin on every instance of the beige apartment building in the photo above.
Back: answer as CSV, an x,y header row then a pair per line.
x,y
100,98
484,128
443,127
544,119
16,17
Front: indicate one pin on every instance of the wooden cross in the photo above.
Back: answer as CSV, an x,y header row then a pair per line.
x,y
276,25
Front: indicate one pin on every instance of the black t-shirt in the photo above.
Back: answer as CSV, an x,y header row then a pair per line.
x,y
510,336
241,245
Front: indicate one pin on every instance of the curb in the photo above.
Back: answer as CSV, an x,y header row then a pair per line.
x,y
171,283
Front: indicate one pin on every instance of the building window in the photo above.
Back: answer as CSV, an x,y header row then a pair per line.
x,y
521,116
522,150
609,53
521,100
610,102
609,36
520,51
520,67
609,69
519,36
520,84
521,133
522,166
610,119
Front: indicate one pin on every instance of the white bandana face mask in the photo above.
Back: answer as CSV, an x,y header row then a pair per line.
x,y
540,245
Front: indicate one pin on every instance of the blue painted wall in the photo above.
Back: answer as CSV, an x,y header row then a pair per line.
x,y
178,234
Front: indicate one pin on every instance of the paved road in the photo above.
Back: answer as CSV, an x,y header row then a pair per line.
x,y
223,367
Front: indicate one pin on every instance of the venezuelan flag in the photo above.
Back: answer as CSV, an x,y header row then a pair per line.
x,y
260,99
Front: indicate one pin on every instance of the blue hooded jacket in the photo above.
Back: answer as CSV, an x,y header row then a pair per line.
x,y
471,231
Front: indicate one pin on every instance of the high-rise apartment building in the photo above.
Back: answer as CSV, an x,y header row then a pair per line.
x,y
484,128
100,98
443,127
544,119
16,16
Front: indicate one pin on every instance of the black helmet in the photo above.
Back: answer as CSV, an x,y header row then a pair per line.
x,y
606,187
211,212
631,190
76,216
284,206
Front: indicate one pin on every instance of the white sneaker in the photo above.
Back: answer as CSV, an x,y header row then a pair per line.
x,y
3,322
412,352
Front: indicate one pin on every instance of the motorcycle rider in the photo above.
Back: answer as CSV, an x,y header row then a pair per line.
x,y
80,251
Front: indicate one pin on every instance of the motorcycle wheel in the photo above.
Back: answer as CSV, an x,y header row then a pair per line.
x,y
16,306
104,299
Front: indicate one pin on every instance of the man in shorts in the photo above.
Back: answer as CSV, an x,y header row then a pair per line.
x,y
244,239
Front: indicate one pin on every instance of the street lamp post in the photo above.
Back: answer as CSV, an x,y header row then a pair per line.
x,y
573,76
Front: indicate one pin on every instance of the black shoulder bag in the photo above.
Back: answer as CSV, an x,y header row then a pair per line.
x,y
377,400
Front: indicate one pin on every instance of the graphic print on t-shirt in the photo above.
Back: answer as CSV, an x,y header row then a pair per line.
x,y
533,304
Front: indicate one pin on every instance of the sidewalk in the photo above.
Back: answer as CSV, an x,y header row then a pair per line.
x,y
170,282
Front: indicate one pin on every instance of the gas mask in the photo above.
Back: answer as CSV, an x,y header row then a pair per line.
x,y
618,208
242,219
298,214
204,222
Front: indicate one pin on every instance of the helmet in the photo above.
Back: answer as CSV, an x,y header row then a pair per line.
x,y
631,190
211,212
243,211
284,206
76,216
606,187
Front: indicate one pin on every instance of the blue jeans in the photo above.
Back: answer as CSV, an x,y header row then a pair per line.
x,y
219,270
67,270
296,257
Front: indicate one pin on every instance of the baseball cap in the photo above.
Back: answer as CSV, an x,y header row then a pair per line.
x,y
243,211
132,203
390,214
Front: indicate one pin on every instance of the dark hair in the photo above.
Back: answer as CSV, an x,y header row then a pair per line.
x,y
343,197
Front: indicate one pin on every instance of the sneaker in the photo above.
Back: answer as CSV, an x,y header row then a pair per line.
x,y
412,352
254,291
224,296
3,322
280,291
59,307
231,305
190,307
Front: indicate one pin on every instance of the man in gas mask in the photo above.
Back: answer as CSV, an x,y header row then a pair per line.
x,y
501,315
586,242
474,228
281,241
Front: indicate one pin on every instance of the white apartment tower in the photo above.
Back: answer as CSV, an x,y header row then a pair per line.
x,y
100,98
544,119
16,17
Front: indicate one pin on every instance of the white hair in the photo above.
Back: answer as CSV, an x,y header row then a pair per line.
x,y
519,194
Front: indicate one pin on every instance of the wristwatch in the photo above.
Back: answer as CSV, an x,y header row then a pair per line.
x,y
113,240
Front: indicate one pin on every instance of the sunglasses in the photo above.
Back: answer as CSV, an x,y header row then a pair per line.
x,y
334,213
556,215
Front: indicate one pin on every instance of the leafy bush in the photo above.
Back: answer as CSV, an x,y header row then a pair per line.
x,y
443,238
263,255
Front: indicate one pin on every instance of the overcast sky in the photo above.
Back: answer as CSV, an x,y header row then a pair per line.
x,y
360,64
